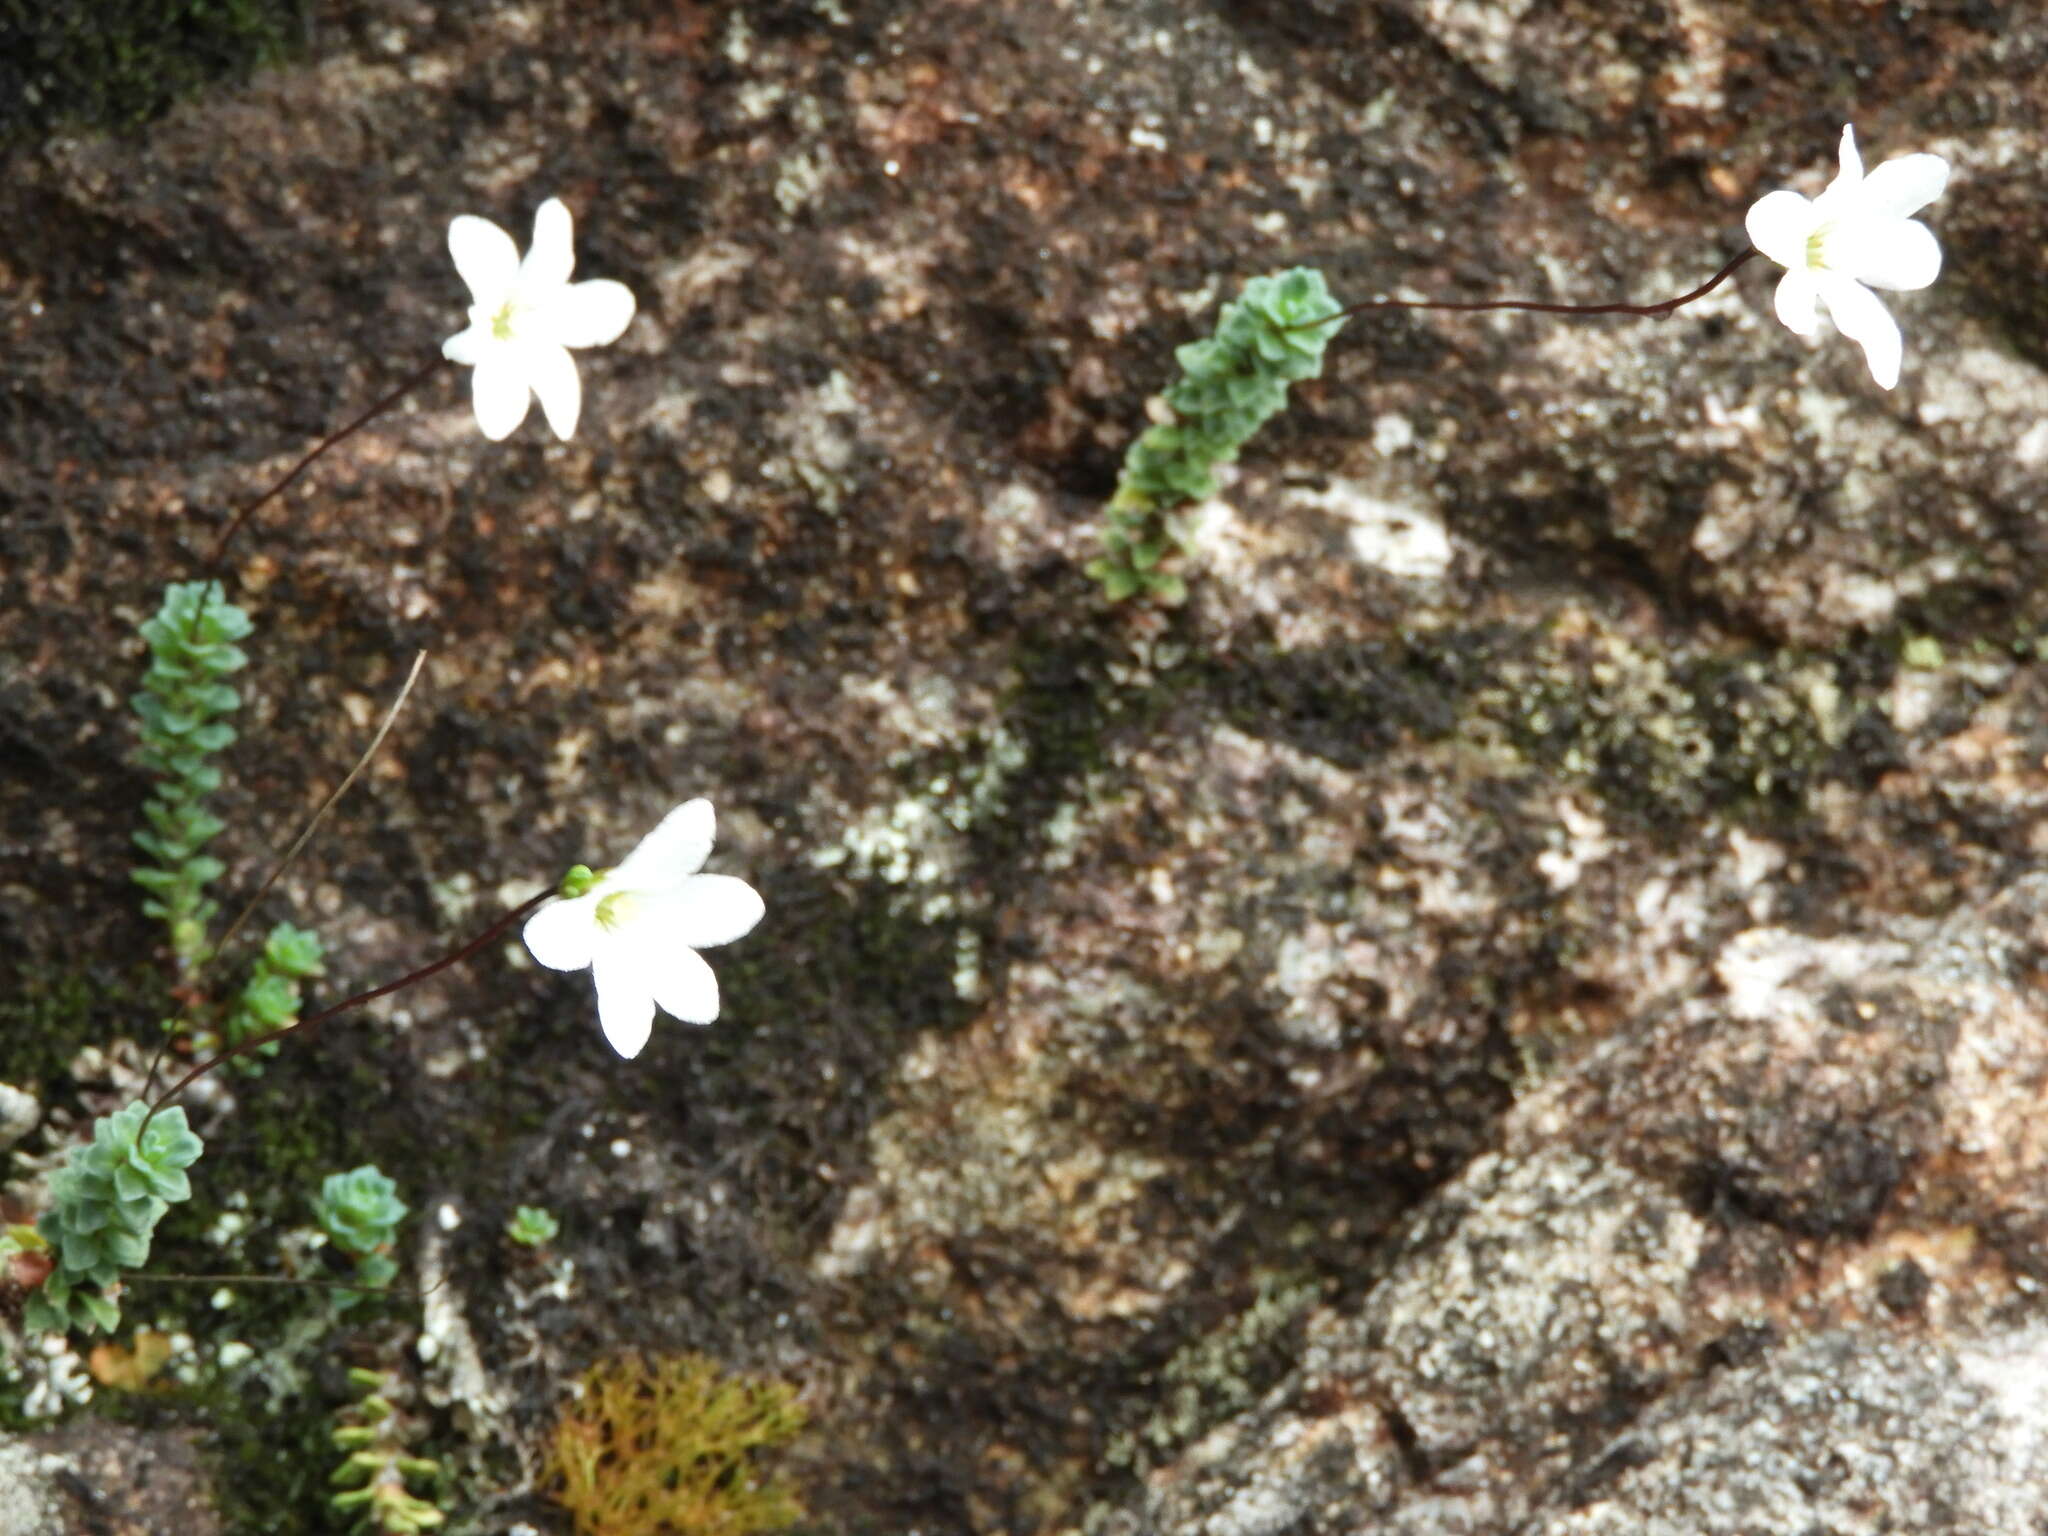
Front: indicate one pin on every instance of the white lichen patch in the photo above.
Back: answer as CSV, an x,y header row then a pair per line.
x,y
693,278
1481,33
1759,969
2012,1369
1432,835
1583,841
55,1376
1296,556
1400,536
28,1499
1018,527
818,430
1982,398
907,842
916,841
801,176
1312,968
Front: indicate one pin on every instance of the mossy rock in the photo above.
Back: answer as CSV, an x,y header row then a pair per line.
x,y
115,64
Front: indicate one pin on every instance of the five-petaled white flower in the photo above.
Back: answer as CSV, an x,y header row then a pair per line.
x,y
525,316
639,926
1857,235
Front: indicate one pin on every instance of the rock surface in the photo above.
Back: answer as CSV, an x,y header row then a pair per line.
x,y
104,1479
1517,1009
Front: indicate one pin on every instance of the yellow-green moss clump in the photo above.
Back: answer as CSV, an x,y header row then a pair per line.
x,y
668,1447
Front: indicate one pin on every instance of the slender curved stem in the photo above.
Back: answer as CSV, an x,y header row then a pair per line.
x,y
285,1280
257,1042
227,534
1655,311
284,863
306,834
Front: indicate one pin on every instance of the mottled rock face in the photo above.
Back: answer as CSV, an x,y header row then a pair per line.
x,y
1517,1009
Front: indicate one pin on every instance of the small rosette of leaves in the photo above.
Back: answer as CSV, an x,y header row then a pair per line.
x,y
375,1474
1230,385
181,711
360,1212
532,1226
105,1202
269,1000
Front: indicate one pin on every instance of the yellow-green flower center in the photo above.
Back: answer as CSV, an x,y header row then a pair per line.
x,y
615,910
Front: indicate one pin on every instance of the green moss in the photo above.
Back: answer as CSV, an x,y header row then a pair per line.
x,y
115,64
48,1015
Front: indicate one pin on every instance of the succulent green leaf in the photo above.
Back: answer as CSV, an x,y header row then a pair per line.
x,y
105,1202
532,1226
293,951
359,1210
127,1250
131,1184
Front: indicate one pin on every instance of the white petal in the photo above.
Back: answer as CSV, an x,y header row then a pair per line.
x,y
706,911
1902,187
501,396
1779,225
467,347
685,987
1861,316
552,373
552,256
1852,163
1797,290
1839,198
625,999
561,935
677,847
1896,253
485,256
591,314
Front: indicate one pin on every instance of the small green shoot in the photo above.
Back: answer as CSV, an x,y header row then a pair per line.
x,y
532,1227
360,1212
1230,385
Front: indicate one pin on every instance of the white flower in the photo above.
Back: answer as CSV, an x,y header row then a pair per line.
x,y
1854,237
639,927
525,316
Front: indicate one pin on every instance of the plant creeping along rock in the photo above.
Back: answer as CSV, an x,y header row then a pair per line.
x,y
1231,384
105,1203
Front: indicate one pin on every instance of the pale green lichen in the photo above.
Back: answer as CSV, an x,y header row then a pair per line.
x,y
1662,734
1216,1376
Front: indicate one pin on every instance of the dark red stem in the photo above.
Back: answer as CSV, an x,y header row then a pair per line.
x,y
220,545
1537,306
257,1042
